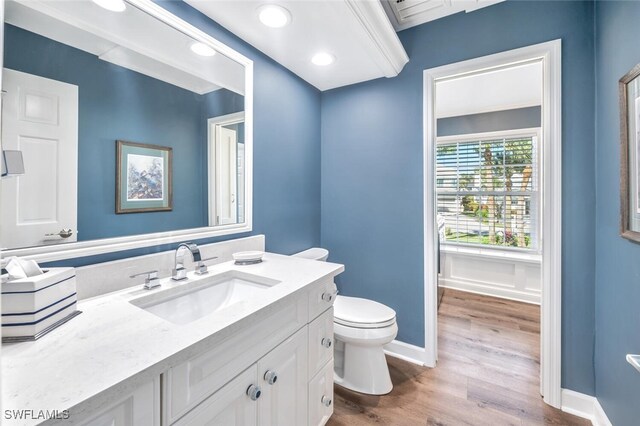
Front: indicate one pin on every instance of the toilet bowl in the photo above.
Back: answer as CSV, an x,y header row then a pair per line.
x,y
361,329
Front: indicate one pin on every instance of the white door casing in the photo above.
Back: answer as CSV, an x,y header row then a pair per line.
x,y
226,175
40,118
551,166
241,175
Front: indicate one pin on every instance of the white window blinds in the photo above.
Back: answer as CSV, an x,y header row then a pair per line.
x,y
488,192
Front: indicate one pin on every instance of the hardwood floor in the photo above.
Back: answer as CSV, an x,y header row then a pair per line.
x,y
487,373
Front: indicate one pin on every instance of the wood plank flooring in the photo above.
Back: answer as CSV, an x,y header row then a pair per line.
x,y
487,373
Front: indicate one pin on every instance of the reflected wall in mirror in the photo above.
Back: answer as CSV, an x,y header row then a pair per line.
x,y
630,155
77,78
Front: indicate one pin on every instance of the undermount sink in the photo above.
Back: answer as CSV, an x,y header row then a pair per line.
x,y
190,301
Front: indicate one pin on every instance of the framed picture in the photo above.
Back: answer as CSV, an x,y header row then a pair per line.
x,y
143,178
630,155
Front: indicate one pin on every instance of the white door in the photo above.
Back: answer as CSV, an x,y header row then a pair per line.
x,y
283,377
226,176
230,406
39,118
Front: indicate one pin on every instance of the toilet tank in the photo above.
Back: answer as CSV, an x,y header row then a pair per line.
x,y
314,253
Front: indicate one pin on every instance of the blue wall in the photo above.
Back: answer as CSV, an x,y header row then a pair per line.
x,y
617,259
286,202
510,119
115,103
372,167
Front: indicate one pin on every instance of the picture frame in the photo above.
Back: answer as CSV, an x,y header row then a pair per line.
x,y
144,176
629,89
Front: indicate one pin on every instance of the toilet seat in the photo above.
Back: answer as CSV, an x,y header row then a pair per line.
x,y
362,313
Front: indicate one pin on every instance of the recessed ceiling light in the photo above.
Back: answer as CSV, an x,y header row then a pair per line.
x,y
274,16
202,49
112,5
323,58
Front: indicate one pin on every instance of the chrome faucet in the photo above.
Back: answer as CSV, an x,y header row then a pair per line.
x,y
179,271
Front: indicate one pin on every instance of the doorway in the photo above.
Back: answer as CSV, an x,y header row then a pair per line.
x,y
226,164
498,215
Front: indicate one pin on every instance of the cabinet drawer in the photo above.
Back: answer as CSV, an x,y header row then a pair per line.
x,y
140,407
229,406
321,396
321,341
189,383
321,297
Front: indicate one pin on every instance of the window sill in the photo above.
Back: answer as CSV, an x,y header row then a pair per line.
x,y
493,253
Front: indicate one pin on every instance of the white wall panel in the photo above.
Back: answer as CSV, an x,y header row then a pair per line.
x,y
500,276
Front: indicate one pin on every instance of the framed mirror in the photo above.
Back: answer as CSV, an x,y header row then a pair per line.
x,y
630,155
135,129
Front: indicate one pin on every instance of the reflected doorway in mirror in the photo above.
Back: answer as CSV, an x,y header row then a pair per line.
x,y
226,157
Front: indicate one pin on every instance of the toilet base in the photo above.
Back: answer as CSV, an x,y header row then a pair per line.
x,y
362,366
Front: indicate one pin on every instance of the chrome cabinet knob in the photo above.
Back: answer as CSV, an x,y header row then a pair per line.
x,y
326,401
254,392
326,342
328,297
271,377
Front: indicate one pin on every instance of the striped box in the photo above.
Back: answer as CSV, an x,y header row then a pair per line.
x,y
31,307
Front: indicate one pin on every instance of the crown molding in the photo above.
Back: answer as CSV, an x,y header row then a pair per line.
x,y
391,56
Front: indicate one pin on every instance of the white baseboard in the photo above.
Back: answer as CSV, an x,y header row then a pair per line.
x,y
495,291
406,352
584,406
600,417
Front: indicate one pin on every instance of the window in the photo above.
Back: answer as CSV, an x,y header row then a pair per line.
x,y
487,191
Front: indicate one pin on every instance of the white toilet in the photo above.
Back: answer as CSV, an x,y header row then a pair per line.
x,y
361,328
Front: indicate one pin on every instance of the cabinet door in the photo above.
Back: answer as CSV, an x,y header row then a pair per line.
x,y
229,406
139,408
283,378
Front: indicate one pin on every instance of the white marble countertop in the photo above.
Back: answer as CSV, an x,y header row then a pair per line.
x,y
114,346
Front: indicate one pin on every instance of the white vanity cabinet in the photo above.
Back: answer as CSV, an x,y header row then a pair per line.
x,y
273,372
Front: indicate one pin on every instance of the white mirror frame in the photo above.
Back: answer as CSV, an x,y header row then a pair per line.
x,y
108,245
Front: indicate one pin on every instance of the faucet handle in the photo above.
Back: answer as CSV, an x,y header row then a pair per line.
x,y
201,268
151,280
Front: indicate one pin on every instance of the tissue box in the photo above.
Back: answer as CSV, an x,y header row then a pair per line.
x,y
33,306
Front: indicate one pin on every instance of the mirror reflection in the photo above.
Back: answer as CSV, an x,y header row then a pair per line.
x,y
125,125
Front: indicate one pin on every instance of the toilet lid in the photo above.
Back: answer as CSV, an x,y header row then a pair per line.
x,y
362,313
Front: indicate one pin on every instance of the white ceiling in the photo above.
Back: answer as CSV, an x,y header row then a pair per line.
x,y
131,39
404,14
497,90
357,32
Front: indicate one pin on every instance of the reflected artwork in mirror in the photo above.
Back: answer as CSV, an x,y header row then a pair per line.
x,y
79,78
